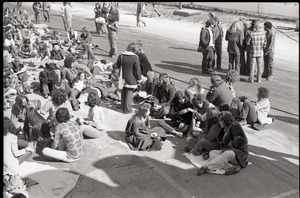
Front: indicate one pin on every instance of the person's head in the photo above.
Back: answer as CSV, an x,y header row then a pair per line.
x,y
62,115
268,25
213,112
262,93
144,110
211,15
84,29
194,82
81,76
198,100
39,125
93,100
210,23
9,126
140,46
254,24
226,119
179,97
97,5
132,47
59,96
21,101
231,76
18,60
38,40
56,47
9,36
235,26
150,76
19,195
216,80
68,62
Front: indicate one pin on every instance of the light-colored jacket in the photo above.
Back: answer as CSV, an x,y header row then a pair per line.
x,y
262,108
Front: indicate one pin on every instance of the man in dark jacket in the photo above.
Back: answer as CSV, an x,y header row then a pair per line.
x,y
207,45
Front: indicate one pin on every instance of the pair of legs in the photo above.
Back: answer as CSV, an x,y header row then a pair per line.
x,y
47,15
37,17
234,62
166,125
112,39
126,100
245,67
243,109
59,155
139,20
256,61
268,65
219,56
221,160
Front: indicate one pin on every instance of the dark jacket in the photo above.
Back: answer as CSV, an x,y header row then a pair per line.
x,y
235,41
144,63
131,69
220,96
176,107
218,35
166,94
235,139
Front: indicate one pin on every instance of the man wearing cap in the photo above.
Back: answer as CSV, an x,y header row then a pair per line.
x,y
207,46
255,41
269,48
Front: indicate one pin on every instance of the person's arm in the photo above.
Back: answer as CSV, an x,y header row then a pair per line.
x,y
98,119
14,148
212,95
137,71
57,139
136,130
24,69
172,92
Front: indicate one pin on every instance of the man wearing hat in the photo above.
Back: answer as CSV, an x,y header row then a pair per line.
x,y
206,45
269,48
255,41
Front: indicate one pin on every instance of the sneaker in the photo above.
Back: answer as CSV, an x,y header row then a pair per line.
x,y
250,81
201,170
232,170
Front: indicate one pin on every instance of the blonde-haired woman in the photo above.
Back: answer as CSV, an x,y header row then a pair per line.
x,y
234,36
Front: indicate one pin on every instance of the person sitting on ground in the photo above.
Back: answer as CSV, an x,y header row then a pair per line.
x,y
219,94
55,38
78,85
10,44
26,50
230,79
57,53
87,42
179,114
67,145
165,93
233,153
11,83
139,134
58,99
72,36
94,123
146,91
193,88
35,129
49,79
18,110
255,114
199,120
13,157
20,69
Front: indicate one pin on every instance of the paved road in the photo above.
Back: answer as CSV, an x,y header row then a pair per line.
x,y
118,172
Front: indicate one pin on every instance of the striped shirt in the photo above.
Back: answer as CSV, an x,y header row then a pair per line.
x,y
257,41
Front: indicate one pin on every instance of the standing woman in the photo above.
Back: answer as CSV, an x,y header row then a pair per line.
x,y
97,11
46,7
128,62
112,27
235,37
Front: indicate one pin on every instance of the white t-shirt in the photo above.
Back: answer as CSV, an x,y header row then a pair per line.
x,y
8,43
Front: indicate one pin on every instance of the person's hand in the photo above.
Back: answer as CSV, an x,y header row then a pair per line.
x,y
181,125
183,111
191,110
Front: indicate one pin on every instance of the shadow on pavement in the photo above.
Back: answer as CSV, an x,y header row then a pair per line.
x,y
182,48
117,135
286,119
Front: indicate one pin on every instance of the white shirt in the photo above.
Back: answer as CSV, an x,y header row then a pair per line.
x,y
211,37
8,43
79,85
96,114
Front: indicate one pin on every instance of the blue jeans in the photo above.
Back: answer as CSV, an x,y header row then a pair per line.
x,y
256,61
268,64
112,38
234,62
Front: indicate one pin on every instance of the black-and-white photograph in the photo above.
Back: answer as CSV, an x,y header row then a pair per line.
x,y
150,99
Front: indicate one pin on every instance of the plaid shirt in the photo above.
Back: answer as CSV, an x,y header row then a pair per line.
x,y
257,39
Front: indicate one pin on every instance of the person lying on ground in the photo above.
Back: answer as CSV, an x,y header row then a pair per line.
x,y
139,134
233,153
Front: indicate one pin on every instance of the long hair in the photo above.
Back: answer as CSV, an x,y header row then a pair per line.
x,y
178,96
235,26
140,46
132,47
262,93
231,76
227,117
17,106
93,100
9,127
143,109
62,115
216,80
39,126
195,82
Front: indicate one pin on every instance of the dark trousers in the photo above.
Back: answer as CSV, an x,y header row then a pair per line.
x,y
208,60
243,69
219,55
234,62
126,99
90,53
203,145
268,64
243,111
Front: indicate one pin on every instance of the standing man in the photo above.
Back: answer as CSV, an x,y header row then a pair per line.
x,y
139,11
244,60
46,7
86,40
207,47
37,8
112,27
269,48
218,36
68,15
255,41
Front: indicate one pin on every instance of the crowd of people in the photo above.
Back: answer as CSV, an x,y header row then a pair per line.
x,y
250,51
70,74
